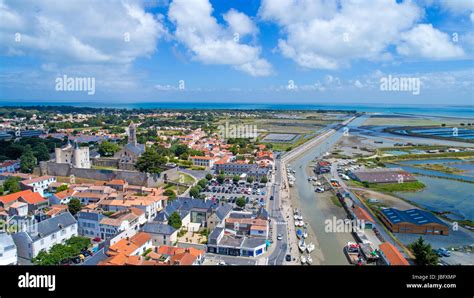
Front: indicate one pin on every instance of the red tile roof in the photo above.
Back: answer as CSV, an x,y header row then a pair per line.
x,y
29,196
362,214
392,254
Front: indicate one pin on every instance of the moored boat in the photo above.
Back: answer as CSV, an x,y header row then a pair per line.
x,y
302,245
310,247
303,260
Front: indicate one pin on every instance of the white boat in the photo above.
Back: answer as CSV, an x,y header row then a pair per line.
x,y
309,259
302,245
310,247
296,217
305,233
303,260
301,223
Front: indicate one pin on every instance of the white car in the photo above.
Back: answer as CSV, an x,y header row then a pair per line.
x,y
279,237
319,189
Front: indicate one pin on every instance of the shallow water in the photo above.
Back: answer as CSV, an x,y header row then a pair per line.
x,y
444,195
439,174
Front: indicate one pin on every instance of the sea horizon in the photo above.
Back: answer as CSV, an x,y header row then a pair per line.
x,y
442,110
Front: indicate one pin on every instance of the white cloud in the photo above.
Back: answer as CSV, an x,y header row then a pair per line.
x,y
165,87
79,31
457,6
240,23
426,41
358,84
323,34
212,43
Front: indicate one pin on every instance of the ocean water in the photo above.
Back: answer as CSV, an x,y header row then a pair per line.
x,y
466,111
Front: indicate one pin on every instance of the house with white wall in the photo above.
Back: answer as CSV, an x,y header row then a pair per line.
x,y
8,253
43,235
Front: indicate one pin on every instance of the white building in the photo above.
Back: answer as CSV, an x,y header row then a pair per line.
x,y
75,156
8,254
203,161
45,234
121,221
39,184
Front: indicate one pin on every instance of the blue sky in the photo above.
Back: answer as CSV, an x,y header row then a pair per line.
x,y
268,51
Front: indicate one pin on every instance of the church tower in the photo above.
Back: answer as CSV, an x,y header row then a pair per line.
x,y
132,134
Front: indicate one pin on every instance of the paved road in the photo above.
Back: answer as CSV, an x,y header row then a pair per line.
x,y
277,257
197,174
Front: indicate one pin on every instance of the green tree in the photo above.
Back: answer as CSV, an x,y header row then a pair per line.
x,y
74,206
194,192
220,178
170,194
41,152
179,149
150,162
27,160
250,179
203,182
11,184
209,176
78,243
424,254
235,179
175,220
264,180
61,188
107,148
240,202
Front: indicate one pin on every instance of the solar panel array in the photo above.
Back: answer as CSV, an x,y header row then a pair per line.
x,y
415,216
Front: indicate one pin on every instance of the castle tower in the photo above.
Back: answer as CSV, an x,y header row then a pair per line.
x,y
132,134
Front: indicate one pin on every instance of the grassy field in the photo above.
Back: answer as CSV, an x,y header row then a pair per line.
x,y
288,146
178,189
391,187
335,201
77,180
439,168
103,168
184,178
428,156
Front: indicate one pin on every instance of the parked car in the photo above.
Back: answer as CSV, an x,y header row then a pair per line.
x,y
443,252
271,198
319,189
288,258
279,237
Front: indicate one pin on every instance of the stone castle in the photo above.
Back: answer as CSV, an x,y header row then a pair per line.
x,y
129,154
76,156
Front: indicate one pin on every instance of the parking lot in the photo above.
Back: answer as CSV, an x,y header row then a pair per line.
x,y
255,193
